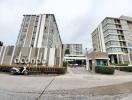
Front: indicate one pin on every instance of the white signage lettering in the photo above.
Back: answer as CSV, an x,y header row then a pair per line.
x,y
29,61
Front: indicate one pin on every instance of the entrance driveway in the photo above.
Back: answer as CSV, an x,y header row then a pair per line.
x,y
71,86
77,70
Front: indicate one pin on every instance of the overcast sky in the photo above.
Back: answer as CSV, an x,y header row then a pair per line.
x,y
76,19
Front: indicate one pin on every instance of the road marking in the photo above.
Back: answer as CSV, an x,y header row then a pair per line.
x,y
45,88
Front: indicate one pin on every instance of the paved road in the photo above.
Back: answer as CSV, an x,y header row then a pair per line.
x,y
43,87
129,97
78,70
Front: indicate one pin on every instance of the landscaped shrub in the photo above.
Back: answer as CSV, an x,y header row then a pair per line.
x,y
38,69
126,69
104,69
121,64
5,69
65,64
47,70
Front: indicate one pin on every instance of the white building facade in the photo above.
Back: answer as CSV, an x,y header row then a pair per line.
x,y
39,31
73,53
72,49
114,36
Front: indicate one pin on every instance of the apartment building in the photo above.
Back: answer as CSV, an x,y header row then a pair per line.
x,y
73,53
38,42
39,31
73,49
114,36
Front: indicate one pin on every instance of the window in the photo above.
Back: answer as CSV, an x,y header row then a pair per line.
x,y
37,18
26,25
52,30
117,21
47,16
24,30
27,18
130,44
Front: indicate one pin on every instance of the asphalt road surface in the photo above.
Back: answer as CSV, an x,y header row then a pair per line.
x,y
77,84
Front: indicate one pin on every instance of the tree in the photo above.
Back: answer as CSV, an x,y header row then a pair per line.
x,y
67,51
1,43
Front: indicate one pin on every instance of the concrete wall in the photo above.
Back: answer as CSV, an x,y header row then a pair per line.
x,y
11,55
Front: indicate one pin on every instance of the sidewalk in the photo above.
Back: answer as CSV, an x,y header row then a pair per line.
x,y
129,97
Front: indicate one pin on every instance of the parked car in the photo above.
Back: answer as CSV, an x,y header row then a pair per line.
x,y
19,71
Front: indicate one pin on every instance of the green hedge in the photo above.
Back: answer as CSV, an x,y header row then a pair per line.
x,y
5,69
65,63
126,69
104,70
121,64
38,69
47,70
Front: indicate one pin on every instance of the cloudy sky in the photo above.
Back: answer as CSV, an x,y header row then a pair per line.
x,y
76,19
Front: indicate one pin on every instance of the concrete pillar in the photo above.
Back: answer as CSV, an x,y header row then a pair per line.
x,y
108,62
122,59
3,55
117,58
29,56
130,62
37,56
1,52
93,65
52,57
12,55
87,64
112,59
61,57
45,55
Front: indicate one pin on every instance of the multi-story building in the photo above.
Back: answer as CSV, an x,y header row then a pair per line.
x,y
39,31
38,42
73,49
73,53
114,36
